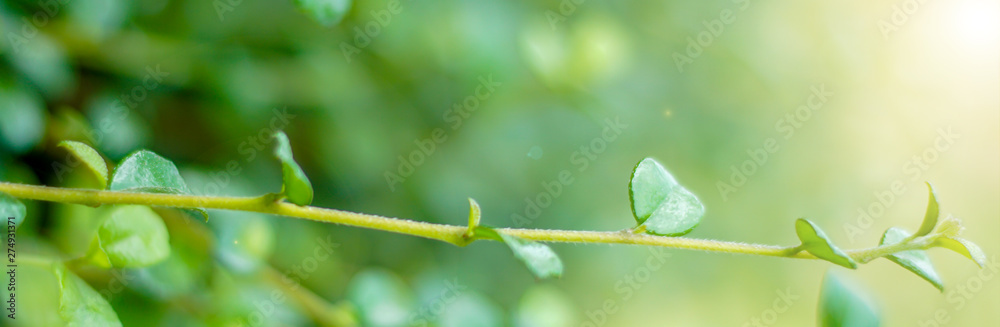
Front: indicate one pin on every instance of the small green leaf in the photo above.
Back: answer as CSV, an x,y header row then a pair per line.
x,y
913,260
296,185
660,203
90,158
931,217
145,171
540,259
475,215
964,247
11,207
326,12
132,236
842,305
815,241
81,305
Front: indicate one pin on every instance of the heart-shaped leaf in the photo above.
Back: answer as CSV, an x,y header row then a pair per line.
x,y
90,159
326,12
661,204
913,260
145,171
11,207
81,305
296,186
842,305
815,241
132,236
931,217
964,247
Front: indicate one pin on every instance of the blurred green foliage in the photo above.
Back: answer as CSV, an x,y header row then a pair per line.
x,y
360,87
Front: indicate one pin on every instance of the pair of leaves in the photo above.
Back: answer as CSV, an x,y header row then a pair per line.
x,y
538,257
660,203
131,236
917,261
140,171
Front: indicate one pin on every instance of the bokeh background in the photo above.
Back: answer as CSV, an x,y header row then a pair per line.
x,y
204,82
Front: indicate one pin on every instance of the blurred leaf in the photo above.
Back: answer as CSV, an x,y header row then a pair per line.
x,y
660,203
245,241
840,305
11,207
382,299
326,12
98,19
914,260
43,60
815,241
22,119
90,159
296,185
118,129
931,217
81,305
540,259
170,278
545,306
37,295
964,247
132,236
471,310
145,171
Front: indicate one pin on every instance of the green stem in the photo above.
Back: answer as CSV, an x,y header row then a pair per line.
x,y
447,233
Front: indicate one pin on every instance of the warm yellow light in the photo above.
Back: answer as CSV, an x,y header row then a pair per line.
x,y
975,23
